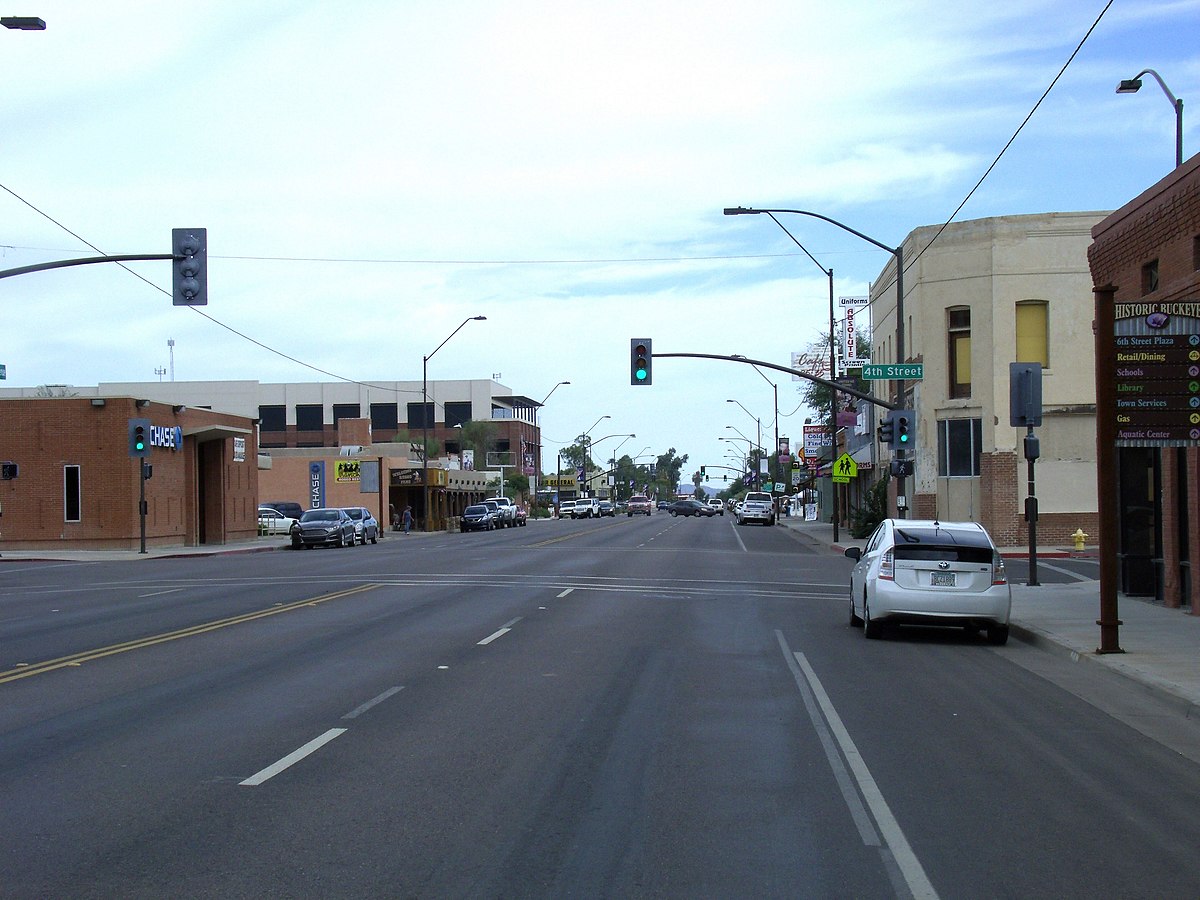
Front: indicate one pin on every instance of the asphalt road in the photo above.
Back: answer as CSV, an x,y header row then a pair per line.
x,y
646,707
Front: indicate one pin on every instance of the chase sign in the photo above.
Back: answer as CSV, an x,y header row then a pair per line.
x,y
169,437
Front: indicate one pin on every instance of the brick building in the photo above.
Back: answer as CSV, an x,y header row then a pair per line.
x,y
1145,263
69,478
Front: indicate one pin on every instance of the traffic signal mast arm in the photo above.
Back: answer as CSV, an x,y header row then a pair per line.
x,y
853,392
87,260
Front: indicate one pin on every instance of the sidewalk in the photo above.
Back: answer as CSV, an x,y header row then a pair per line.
x,y
1161,645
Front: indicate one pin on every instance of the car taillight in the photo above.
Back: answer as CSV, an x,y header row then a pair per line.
x,y
887,568
999,576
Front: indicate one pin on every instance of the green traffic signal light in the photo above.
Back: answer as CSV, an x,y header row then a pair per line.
x,y
639,361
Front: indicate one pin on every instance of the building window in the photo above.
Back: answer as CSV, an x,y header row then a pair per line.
x,y
1150,277
960,442
420,415
458,414
384,417
310,417
272,418
72,493
958,327
1033,342
346,411
1196,253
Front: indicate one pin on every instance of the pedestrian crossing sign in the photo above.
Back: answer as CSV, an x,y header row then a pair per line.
x,y
844,468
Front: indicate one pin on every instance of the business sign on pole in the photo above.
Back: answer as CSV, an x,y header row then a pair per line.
x,y
316,484
816,364
1156,357
816,439
851,302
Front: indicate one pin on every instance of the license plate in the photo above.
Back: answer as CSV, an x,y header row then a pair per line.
x,y
941,579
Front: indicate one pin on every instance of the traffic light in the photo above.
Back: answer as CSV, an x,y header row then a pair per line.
x,y
189,249
639,361
139,437
887,429
702,475
905,421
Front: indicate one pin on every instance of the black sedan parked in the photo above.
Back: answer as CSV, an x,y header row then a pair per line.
x,y
477,518
324,527
689,508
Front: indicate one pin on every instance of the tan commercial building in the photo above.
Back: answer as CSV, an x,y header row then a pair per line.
x,y
980,295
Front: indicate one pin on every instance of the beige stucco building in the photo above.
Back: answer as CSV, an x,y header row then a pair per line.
x,y
980,295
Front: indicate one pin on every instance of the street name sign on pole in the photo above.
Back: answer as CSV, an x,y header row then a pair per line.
x,y
894,372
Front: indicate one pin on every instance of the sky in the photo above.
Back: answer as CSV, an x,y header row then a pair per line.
x,y
372,174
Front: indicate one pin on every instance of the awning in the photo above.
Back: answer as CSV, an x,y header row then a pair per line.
x,y
210,432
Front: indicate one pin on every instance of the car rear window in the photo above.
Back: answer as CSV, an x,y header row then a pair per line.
x,y
929,553
760,496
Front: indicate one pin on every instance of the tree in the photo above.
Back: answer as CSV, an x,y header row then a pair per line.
x,y
817,396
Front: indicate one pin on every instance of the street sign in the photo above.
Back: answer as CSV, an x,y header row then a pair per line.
x,y
844,468
894,372
3,372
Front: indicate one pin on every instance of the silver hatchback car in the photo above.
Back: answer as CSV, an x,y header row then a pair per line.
x,y
916,572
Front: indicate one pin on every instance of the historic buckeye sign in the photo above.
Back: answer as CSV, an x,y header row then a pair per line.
x,y
1156,359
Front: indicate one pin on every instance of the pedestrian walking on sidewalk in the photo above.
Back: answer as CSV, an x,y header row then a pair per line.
x,y
408,518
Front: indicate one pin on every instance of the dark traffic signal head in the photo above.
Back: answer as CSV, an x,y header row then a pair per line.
x,y
887,429
905,426
139,437
639,361
189,249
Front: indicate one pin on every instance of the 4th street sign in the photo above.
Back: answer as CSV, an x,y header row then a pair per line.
x,y
894,372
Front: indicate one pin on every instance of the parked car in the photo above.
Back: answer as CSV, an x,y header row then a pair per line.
x,y
639,505
717,506
587,508
689,508
508,512
286,507
757,506
607,509
477,517
917,572
565,509
366,526
272,521
324,527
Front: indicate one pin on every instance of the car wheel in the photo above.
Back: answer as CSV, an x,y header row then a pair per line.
x,y
997,635
375,538
872,628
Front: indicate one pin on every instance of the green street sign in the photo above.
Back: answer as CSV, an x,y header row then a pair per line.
x,y
894,372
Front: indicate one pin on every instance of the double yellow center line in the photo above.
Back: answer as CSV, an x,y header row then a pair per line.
x,y
75,659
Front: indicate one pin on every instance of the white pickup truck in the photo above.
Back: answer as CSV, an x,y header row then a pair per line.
x,y
757,507
508,512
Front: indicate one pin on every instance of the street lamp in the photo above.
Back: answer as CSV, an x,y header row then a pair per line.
x,y
23,23
898,253
425,416
1134,84
584,444
539,432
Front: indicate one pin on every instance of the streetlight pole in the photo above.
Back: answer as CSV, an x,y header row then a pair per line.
x,y
898,253
539,434
1134,84
425,416
584,443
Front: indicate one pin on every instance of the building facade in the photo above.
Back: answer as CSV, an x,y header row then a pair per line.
x,y
1145,259
980,295
69,477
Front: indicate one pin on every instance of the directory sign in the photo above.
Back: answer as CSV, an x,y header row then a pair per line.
x,y
1156,357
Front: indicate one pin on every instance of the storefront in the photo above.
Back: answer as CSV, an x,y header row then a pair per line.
x,y
72,476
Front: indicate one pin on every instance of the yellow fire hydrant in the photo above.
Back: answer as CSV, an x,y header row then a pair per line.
x,y
1079,537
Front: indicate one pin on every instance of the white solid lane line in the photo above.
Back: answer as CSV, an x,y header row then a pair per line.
x,y
292,758
564,593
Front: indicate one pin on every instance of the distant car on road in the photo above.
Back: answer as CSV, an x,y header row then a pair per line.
x,y
327,527
366,526
639,505
566,509
587,508
607,509
689,508
757,507
916,572
716,506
